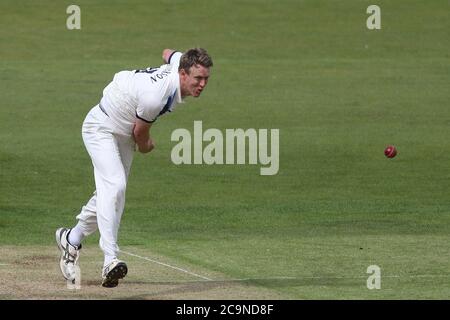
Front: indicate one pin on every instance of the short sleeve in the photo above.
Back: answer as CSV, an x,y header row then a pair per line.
x,y
174,58
148,108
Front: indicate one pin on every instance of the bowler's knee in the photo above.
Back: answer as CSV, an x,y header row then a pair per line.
x,y
121,188
117,188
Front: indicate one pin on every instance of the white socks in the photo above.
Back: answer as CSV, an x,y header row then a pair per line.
x,y
108,260
76,236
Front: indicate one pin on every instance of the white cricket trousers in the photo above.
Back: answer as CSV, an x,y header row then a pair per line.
x,y
111,156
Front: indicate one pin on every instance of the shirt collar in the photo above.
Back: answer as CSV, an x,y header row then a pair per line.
x,y
177,86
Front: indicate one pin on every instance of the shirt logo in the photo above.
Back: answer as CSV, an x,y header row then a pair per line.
x,y
154,77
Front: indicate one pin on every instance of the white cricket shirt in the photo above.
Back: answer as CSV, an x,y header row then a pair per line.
x,y
145,94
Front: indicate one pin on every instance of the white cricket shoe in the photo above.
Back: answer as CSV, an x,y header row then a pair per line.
x,y
69,255
112,272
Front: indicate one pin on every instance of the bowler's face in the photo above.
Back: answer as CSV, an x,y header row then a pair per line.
x,y
194,82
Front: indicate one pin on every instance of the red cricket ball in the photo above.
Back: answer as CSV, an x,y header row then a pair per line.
x,y
390,151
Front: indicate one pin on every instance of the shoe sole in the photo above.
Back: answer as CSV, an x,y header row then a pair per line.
x,y
58,243
58,237
118,272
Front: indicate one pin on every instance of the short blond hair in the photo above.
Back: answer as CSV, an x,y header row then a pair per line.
x,y
195,56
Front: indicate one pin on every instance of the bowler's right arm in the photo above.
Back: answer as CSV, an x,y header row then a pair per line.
x,y
166,54
141,134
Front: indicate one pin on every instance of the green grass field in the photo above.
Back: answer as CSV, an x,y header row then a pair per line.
x,y
339,94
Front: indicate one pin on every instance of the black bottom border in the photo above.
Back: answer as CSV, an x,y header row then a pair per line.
x,y
226,309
